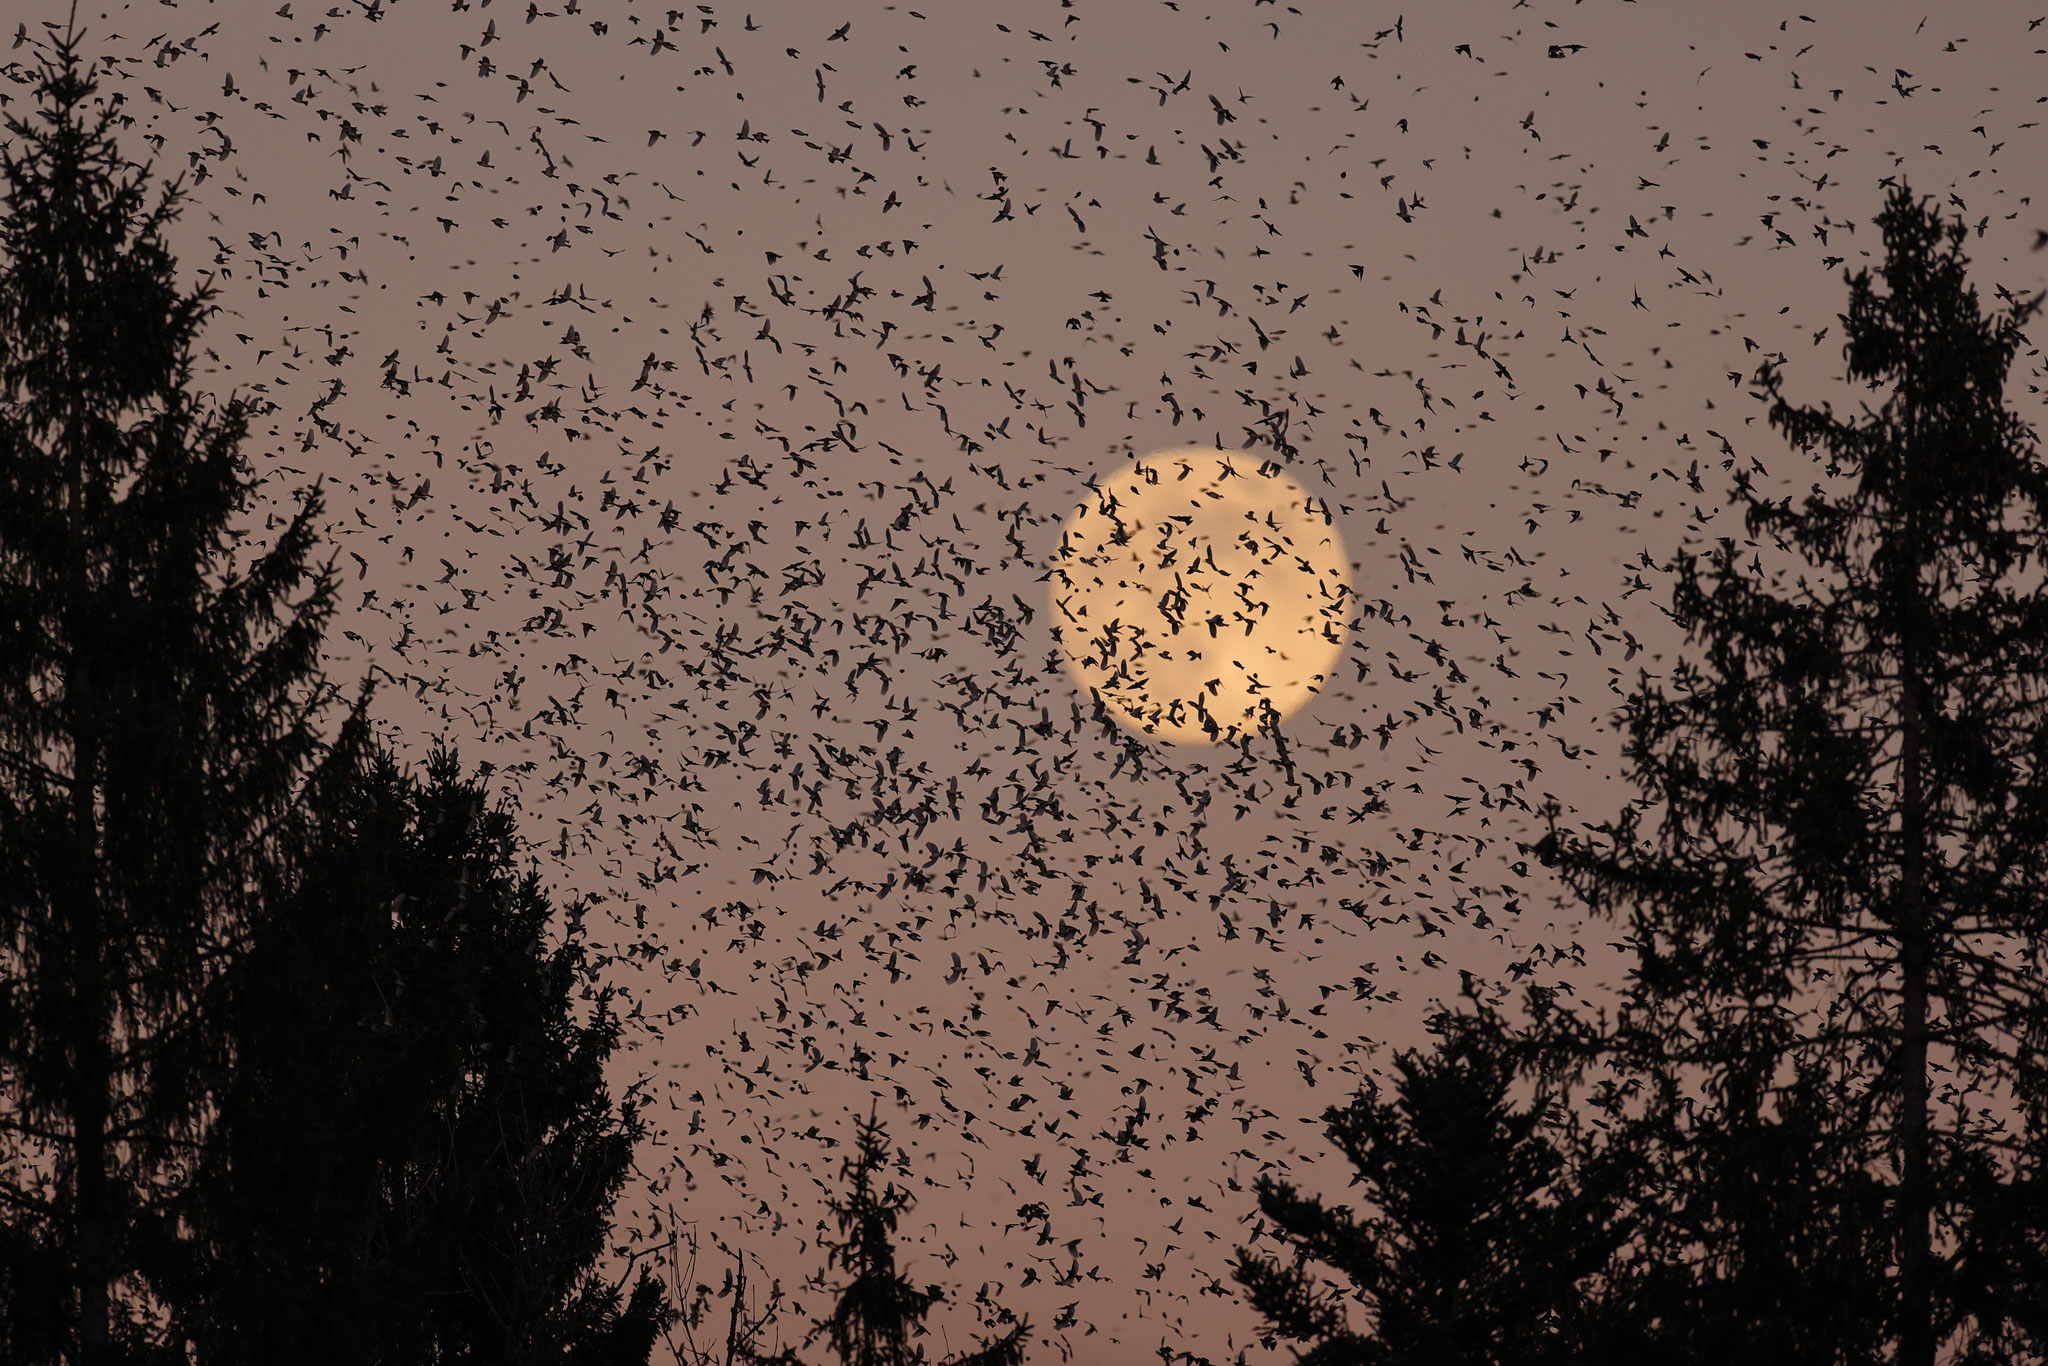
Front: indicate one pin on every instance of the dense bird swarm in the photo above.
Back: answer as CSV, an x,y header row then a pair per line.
x,y
701,393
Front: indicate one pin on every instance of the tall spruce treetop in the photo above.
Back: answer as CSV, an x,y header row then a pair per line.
x,y
156,722
1854,797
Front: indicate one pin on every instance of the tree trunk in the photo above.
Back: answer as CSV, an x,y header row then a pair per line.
x,y
1915,1206
91,1075
91,1211
1916,1308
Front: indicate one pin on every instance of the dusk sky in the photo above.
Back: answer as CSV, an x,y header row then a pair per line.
x,y
702,395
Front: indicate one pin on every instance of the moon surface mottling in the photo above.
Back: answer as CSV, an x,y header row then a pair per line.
x,y
1201,594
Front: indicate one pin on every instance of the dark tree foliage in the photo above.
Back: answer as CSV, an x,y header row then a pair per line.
x,y
878,1318
1797,1243
287,1071
417,1156
157,704
1476,1251
1842,903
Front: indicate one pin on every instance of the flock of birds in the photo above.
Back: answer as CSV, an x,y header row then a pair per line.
x,y
703,394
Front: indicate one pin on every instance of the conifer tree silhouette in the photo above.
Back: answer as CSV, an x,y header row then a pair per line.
x,y
158,706
1475,1250
1845,902
878,1316
416,1157
288,1071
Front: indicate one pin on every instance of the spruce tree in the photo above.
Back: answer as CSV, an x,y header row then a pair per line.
x,y
1476,1249
878,1316
1842,905
288,1071
158,704
417,1156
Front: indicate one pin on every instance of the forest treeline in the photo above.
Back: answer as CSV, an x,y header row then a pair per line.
x,y
298,1065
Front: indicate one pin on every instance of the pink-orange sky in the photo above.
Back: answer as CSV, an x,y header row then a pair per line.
x,y
700,393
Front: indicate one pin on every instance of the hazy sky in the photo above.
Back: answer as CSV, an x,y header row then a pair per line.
x,y
701,392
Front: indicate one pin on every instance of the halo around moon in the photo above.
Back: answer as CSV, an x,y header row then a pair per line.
x,y
1201,594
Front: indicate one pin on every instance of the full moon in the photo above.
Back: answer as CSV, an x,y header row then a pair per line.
x,y
1201,594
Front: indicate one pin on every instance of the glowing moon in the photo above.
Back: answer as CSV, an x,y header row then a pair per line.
x,y
1201,594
